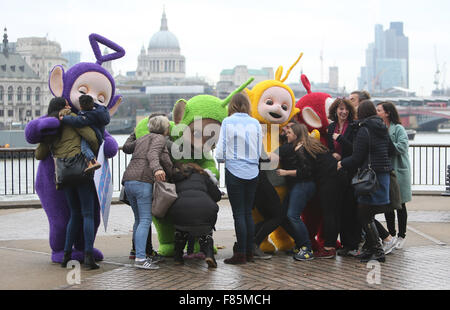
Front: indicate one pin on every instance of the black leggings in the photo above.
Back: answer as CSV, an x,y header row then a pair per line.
x,y
402,216
390,223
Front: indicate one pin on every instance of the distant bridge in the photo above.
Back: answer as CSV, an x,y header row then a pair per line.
x,y
423,118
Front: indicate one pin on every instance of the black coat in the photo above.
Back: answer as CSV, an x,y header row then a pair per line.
x,y
195,210
345,140
380,146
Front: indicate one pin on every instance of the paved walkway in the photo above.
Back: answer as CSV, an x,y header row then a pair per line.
x,y
422,264
426,267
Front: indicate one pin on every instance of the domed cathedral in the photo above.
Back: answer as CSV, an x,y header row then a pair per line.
x,y
162,60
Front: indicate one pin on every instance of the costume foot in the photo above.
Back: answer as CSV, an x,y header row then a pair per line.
x,y
167,249
267,247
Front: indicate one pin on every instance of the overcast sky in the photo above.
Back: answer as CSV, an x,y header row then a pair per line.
x,y
216,35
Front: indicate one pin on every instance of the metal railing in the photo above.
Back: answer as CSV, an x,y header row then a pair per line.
x,y
18,169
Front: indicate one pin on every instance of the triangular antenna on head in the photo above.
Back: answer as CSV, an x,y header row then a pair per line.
x,y
241,88
292,67
94,39
306,83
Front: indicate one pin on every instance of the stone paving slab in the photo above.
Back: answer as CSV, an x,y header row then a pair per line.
x,y
121,221
426,267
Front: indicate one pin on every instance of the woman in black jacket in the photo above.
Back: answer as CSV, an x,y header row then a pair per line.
x,y
194,213
341,133
372,138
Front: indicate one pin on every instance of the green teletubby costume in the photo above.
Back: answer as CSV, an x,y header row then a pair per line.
x,y
198,107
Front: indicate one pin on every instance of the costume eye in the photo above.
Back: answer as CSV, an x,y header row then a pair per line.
x,y
284,107
269,102
101,99
83,90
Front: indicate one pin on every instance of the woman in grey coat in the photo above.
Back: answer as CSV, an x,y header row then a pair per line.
x,y
401,165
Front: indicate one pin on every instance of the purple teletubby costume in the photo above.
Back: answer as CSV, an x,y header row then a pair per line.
x,y
67,85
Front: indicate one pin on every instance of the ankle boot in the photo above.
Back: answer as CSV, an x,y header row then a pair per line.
x,y
238,258
207,247
67,257
89,261
374,244
180,243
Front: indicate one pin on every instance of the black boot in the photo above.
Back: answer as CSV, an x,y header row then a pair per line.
x,y
207,247
374,244
89,261
180,243
67,257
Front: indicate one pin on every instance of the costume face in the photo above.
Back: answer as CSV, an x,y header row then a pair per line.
x,y
275,105
204,131
94,84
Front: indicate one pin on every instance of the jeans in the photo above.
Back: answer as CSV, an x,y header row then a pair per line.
x,y
80,199
86,150
140,197
295,203
241,194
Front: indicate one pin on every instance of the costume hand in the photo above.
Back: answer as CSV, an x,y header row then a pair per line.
x,y
160,175
337,156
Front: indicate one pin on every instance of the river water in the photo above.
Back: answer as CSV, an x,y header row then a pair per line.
x,y
428,164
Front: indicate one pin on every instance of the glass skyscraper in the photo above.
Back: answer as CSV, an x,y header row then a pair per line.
x,y
387,60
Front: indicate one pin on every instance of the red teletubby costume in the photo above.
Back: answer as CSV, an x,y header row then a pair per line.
x,y
314,114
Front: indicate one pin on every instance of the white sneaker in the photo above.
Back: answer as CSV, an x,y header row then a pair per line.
x,y
400,242
145,264
389,245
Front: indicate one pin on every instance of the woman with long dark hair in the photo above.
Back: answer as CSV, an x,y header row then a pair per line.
x,y
194,213
81,195
297,161
371,139
400,162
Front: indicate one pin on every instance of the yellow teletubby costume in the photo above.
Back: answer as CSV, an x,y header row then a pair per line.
x,y
273,105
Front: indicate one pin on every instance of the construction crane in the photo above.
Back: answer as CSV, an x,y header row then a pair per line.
x,y
437,73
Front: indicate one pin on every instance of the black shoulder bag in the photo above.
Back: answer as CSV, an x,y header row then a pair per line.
x,y
70,171
365,181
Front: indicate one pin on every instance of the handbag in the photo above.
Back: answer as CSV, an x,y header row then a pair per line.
x,y
365,181
70,170
123,196
394,192
164,195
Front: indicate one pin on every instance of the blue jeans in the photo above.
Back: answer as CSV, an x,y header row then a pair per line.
x,y
241,194
80,199
86,150
295,203
139,195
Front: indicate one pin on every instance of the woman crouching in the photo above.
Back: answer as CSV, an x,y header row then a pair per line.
x,y
194,213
